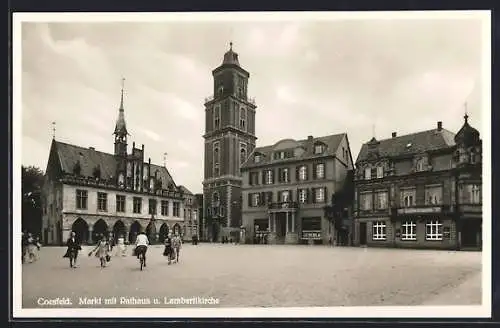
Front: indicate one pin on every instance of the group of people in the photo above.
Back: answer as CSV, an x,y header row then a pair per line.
x,y
105,246
30,247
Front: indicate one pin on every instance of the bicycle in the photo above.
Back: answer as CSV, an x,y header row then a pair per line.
x,y
141,260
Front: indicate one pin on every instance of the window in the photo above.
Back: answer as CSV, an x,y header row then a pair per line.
x,y
177,209
285,196
343,152
81,199
215,197
368,173
380,172
216,117
365,201
269,177
381,200
379,230
120,203
319,195
102,201
420,165
255,200
254,178
216,158
472,155
285,176
302,195
320,171
137,205
243,118
433,195
472,194
409,230
434,230
220,90
257,158
152,206
302,173
318,149
164,207
243,153
408,198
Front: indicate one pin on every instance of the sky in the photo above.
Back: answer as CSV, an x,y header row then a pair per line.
x,y
362,77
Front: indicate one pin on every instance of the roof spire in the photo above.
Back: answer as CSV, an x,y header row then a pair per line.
x,y
373,131
54,130
121,99
164,159
230,45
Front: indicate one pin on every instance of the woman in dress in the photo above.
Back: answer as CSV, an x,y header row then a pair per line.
x,y
102,251
169,250
32,247
121,246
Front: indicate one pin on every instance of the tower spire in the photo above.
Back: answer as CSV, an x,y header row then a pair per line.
x,y
121,99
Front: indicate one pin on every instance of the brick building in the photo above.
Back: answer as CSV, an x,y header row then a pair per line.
x,y
288,188
229,138
95,193
420,190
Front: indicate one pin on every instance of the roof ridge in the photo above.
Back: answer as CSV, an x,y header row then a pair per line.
x,y
86,148
413,133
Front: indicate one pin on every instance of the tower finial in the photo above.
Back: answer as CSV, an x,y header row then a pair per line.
x,y
54,130
373,130
466,116
165,159
230,45
121,99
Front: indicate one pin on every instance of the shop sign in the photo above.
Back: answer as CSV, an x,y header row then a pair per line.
x,y
311,234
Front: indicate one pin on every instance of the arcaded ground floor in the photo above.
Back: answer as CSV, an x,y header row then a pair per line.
x,y
263,276
89,228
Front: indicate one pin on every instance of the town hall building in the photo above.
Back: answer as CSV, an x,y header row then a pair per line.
x,y
94,193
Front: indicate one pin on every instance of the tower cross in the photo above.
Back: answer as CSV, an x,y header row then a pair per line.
x,y
54,130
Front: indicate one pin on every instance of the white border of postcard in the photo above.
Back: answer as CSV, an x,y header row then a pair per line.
x,y
483,310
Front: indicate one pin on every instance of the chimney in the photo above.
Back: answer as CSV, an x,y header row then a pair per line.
x,y
149,161
394,134
133,145
310,142
440,125
91,148
142,147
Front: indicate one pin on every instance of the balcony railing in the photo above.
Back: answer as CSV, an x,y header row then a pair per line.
x,y
471,208
283,205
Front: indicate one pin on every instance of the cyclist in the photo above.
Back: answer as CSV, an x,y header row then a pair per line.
x,y
141,245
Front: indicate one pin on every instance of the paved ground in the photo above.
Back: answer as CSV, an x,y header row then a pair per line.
x,y
262,276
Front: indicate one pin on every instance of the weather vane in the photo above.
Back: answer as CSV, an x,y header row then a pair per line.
x,y
53,130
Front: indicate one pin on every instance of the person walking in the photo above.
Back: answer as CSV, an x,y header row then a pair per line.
x,y
169,249
24,246
177,243
121,248
72,251
31,248
101,251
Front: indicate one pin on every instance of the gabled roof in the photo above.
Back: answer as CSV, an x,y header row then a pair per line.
x,y
185,190
332,143
68,155
409,144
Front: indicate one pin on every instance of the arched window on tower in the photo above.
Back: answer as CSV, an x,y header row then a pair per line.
x,y
243,153
216,159
472,154
216,117
243,119
121,180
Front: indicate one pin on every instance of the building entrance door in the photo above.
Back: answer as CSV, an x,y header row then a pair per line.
x,y
362,233
471,232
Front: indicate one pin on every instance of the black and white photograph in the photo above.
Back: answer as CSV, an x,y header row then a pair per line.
x,y
265,164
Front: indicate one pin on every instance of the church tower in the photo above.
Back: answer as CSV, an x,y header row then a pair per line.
x,y
121,134
229,139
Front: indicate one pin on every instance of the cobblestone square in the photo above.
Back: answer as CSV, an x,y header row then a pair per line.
x,y
263,276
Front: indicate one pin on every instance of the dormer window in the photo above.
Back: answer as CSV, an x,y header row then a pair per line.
x,y
77,169
368,173
319,149
419,165
380,172
257,158
408,145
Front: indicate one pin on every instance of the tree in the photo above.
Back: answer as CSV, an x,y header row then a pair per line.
x,y
31,187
